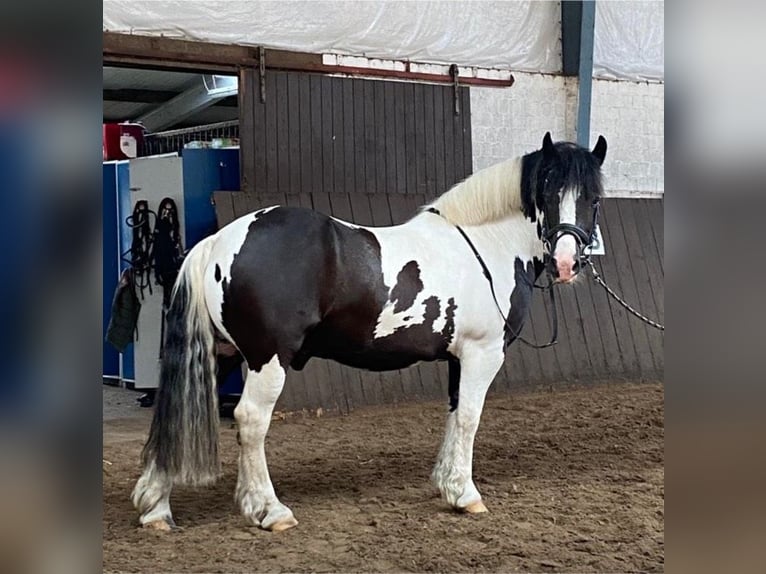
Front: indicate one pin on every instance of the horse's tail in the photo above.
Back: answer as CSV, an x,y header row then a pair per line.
x,y
183,440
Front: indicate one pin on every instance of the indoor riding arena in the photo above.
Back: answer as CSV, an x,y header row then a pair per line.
x,y
367,112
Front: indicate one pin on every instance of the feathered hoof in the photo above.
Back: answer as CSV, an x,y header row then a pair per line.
x,y
475,508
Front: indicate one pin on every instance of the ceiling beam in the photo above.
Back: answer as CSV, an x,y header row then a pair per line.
x,y
172,54
179,108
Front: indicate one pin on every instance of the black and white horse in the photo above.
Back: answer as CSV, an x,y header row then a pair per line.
x,y
284,284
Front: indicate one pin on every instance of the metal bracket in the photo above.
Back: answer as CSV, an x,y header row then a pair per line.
x,y
262,72
454,72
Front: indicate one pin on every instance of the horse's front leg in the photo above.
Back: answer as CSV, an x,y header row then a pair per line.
x,y
255,493
452,474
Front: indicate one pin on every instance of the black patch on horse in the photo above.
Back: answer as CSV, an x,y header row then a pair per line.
x,y
217,273
454,383
521,298
408,285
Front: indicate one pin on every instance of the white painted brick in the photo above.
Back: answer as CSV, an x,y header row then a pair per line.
x,y
512,121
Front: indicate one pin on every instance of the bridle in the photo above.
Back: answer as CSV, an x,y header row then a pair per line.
x,y
582,238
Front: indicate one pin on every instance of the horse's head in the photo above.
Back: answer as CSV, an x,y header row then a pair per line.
x,y
566,191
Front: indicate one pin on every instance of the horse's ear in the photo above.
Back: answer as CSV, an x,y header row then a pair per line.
x,y
549,152
600,150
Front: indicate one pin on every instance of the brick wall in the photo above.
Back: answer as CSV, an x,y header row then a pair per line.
x,y
631,116
512,121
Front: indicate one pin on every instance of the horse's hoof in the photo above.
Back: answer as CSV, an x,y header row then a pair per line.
x,y
284,524
475,508
158,525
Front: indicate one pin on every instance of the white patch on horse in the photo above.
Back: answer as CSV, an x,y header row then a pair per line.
x,y
389,321
566,246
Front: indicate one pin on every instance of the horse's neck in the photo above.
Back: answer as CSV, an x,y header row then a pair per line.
x,y
501,242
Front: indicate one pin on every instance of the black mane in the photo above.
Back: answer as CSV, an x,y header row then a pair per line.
x,y
574,166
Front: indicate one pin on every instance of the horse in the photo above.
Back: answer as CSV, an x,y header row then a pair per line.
x,y
284,284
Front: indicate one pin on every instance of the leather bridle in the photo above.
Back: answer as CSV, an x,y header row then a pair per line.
x,y
582,238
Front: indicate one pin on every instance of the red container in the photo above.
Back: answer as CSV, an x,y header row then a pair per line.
x,y
123,141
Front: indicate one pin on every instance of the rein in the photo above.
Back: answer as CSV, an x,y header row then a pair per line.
x,y
488,276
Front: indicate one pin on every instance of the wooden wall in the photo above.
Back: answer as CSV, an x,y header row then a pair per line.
x,y
327,134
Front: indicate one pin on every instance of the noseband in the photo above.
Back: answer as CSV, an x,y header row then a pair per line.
x,y
583,239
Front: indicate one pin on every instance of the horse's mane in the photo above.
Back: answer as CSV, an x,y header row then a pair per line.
x,y
489,194
511,186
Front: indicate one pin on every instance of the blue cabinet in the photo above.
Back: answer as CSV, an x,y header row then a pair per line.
x,y
190,180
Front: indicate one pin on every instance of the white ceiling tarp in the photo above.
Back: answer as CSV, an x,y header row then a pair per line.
x,y
629,40
522,36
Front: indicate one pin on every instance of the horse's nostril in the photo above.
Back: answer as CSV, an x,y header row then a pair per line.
x,y
554,267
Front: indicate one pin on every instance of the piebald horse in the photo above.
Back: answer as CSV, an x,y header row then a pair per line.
x,y
284,284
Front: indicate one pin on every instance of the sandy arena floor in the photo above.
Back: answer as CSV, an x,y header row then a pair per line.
x,y
574,481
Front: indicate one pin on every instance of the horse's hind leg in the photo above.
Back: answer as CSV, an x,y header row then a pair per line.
x,y
151,496
453,473
255,493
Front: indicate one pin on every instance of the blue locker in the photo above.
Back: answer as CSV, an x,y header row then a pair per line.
x,y
110,355
124,209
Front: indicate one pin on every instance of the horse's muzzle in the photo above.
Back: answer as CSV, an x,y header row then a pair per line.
x,y
564,270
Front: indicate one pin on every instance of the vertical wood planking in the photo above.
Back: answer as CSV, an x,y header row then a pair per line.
x,y
283,133
338,139
439,144
655,215
400,136
349,158
459,149
611,274
224,207
430,144
630,289
379,144
641,274
448,126
339,143
305,126
317,137
294,135
247,130
421,178
653,253
328,171
272,167
260,137
410,139
465,114
370,157
389,120
360,183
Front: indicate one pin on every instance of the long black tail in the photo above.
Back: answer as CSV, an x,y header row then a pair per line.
x,y
183,440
